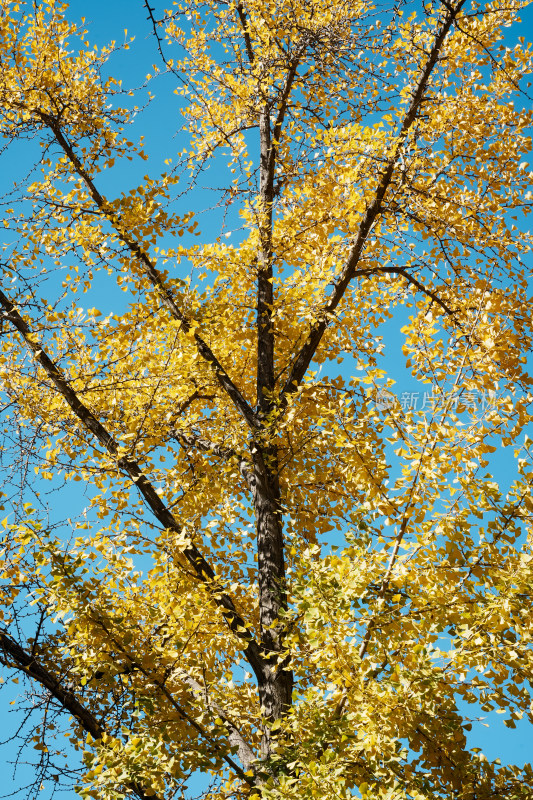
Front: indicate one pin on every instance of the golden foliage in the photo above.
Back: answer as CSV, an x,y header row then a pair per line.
x,y
251,514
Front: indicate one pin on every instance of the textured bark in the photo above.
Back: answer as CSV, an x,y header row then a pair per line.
x,y
275,691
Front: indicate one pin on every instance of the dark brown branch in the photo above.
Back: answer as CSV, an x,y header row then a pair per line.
x,y
14,656
314,338
434,297
152,273
245,31
203,571
278,125
276,692
494,61
269,142
411,280
158,39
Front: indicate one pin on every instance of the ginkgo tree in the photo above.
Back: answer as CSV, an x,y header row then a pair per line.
x,y
283,580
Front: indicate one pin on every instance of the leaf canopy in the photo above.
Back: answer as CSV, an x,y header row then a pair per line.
x,y
284,578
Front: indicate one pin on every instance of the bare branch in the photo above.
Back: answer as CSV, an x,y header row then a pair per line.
x,y
13,655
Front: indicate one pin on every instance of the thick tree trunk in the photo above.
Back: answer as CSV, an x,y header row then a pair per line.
x,y
275,690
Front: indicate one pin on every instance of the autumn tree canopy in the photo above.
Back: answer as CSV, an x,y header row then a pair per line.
x,y
228,550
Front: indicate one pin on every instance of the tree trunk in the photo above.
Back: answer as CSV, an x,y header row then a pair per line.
x,y
275,691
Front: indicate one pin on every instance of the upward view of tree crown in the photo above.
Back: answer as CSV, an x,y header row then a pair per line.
x,y
283,580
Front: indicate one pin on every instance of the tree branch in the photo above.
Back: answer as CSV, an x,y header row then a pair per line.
x,y
411,280
246,33
134,665
151,272
226,453
246,754
12,651
204,572
314,338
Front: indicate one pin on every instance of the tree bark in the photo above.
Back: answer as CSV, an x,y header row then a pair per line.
x,y
275,691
